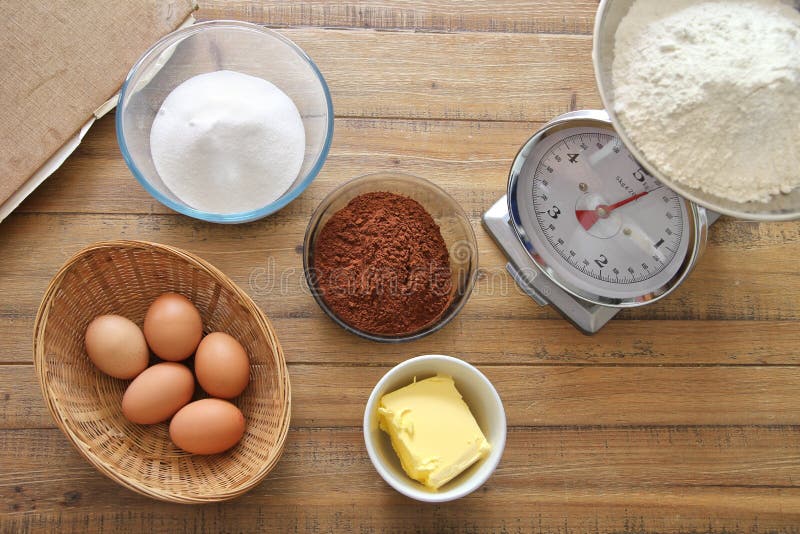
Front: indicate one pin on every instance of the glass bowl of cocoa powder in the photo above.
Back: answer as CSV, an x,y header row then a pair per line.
x,y
390,257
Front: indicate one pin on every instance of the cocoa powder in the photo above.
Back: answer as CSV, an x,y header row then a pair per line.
x,y
382,266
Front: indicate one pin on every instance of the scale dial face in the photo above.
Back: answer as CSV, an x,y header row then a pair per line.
x,y
594,220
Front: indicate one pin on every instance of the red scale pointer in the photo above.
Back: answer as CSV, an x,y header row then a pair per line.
x,y
587,218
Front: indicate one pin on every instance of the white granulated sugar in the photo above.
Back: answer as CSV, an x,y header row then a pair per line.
x,y
709,91
226,142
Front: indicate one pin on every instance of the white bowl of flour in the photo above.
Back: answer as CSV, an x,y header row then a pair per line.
x,y
225,121
706,95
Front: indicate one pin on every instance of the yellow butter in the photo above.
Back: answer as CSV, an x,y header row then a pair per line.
x,y
432,430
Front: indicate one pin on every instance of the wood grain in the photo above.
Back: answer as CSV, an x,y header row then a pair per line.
x,y
548,340
470,158
460,76
508,16
667,511
679,417
265,258
590,457
330,395
622,480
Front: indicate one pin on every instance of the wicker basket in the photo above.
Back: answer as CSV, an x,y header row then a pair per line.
x,y
124,277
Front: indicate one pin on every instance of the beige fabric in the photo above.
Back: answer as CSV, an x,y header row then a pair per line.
x,y
61,60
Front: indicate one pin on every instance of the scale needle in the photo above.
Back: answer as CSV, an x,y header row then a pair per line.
x,y
587,218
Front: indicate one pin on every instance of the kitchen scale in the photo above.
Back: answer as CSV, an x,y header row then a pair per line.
x,y
587,229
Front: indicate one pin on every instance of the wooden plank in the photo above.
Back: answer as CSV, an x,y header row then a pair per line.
x,y
21,403
627,480
567,395
265,259
609,458
474,170
334,396
692,510
461,76
314,338
509,16
469,159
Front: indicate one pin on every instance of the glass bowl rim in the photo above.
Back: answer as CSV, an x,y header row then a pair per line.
x,y
227,218
377,176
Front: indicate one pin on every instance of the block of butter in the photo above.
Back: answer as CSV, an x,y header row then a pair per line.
x,y
432,430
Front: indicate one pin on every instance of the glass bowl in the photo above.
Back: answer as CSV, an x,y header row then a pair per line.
x,y
453,223
208,47
610,13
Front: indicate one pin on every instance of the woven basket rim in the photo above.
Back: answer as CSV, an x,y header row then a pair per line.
x,y
40,366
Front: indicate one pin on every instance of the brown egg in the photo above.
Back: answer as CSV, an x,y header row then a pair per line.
x,y
173,327
222,366
157,393
116,346
207,426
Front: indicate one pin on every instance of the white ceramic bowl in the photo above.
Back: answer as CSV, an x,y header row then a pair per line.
x,y
483,401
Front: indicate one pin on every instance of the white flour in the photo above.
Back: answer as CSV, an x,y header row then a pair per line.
x,y
709,91
226,142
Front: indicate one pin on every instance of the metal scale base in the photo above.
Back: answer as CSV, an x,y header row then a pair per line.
x,y
587,317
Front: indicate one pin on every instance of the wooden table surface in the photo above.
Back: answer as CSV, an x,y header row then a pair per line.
x,y
683,416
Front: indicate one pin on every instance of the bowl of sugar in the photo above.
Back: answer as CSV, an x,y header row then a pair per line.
x,y
225,121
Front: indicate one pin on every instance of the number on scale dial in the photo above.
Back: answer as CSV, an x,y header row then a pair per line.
x,y
599,221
